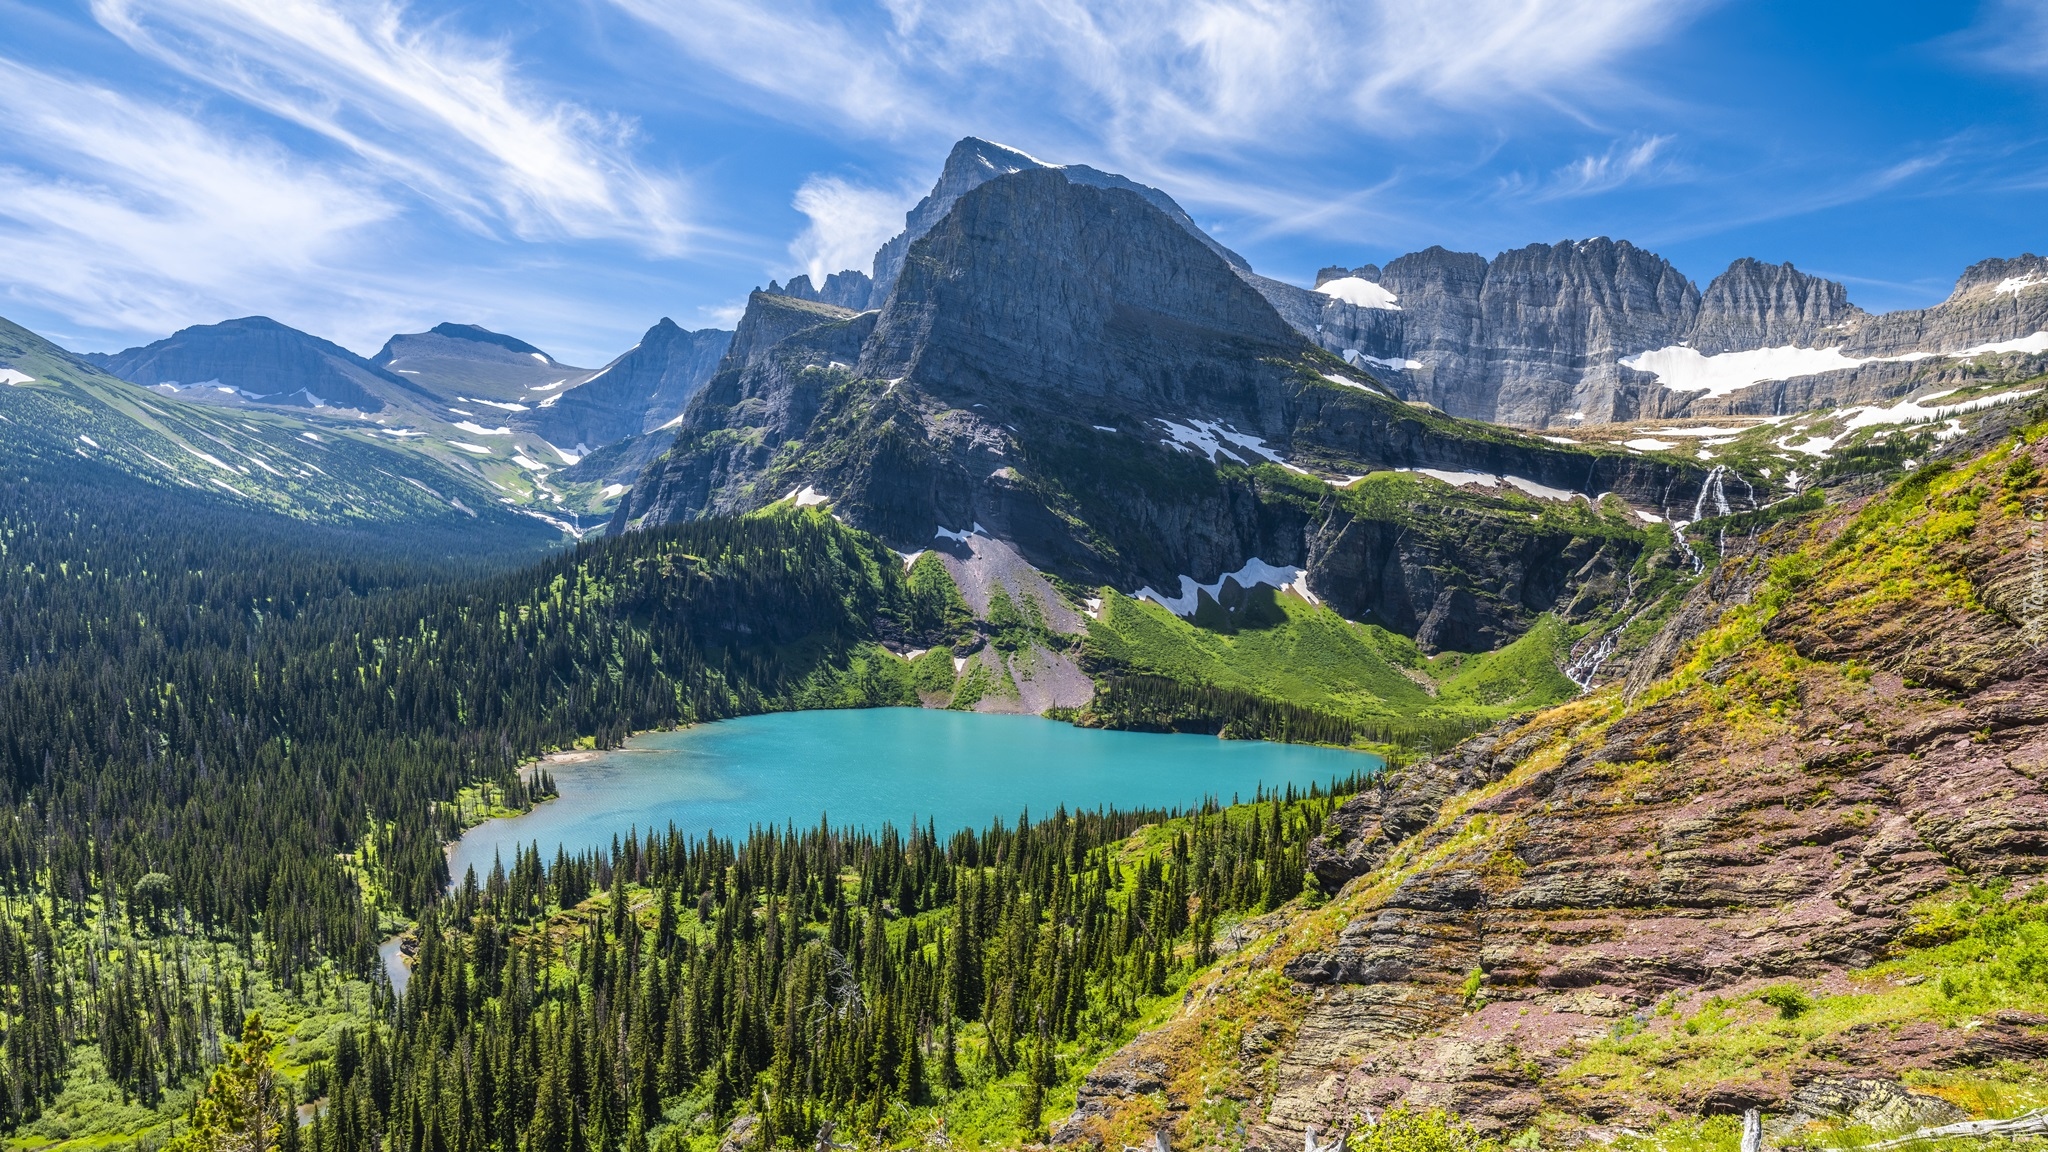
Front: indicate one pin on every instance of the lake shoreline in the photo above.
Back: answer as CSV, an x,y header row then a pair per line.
x,y
959,769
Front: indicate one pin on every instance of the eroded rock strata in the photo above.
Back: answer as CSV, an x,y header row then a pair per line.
x,y
1862,728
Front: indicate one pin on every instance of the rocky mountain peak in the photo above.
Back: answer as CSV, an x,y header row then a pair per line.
x,y
261,359
2002,277
770,318
972,163
1759,305
1036,282
1339,272
476,333
848,289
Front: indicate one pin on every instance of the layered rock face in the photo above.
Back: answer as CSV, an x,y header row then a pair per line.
x,y
1855,741
1110,301
264,359
1536,336
1758,305
972,163
1067,365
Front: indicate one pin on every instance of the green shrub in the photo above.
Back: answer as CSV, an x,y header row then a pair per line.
x,y
1790,1002
1400,1130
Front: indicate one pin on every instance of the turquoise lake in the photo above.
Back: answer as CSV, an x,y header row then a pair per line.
x,y
870,766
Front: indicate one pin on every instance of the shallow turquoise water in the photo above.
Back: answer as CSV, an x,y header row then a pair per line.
x,y
868,766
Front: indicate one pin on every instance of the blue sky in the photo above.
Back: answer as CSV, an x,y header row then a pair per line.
x,y
570,172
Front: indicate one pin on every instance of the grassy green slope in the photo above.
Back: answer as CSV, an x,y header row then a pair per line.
x,y
1307,655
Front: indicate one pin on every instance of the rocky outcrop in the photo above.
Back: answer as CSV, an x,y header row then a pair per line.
x,y
1607,870
850,289
263,359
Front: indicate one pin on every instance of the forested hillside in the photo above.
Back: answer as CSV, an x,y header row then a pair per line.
x,y
251,727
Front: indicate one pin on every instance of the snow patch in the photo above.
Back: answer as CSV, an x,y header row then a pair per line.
x,y
1648,444
476,448
1560,440
216,461
806,496
2018,284
1489,480
1648,517
568,457
1254,572
1698,431
550,402
499,404
555,385
1102,427
1685,369
1539,491
611,490
948,534
10,376
89,440
1347,382
677,422
538,356
1205,439
2032,345
520,458
1909,411
401,433
1354,357
1361,293
476,429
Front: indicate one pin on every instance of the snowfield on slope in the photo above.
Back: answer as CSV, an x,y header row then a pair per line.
x,y
1362,293
1254,572
1684,369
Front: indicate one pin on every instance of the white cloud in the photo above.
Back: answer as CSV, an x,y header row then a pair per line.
x,y
2010,35
1622,163
848,222
137,213
1145,77
450,118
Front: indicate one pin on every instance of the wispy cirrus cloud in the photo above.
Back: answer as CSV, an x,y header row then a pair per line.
x,y
848,222
1624,162
1231,104
450,118
1148,76
136,211
2009,35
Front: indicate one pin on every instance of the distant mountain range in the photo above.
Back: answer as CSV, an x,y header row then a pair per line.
x,y
1020,358
480,402
1577,332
